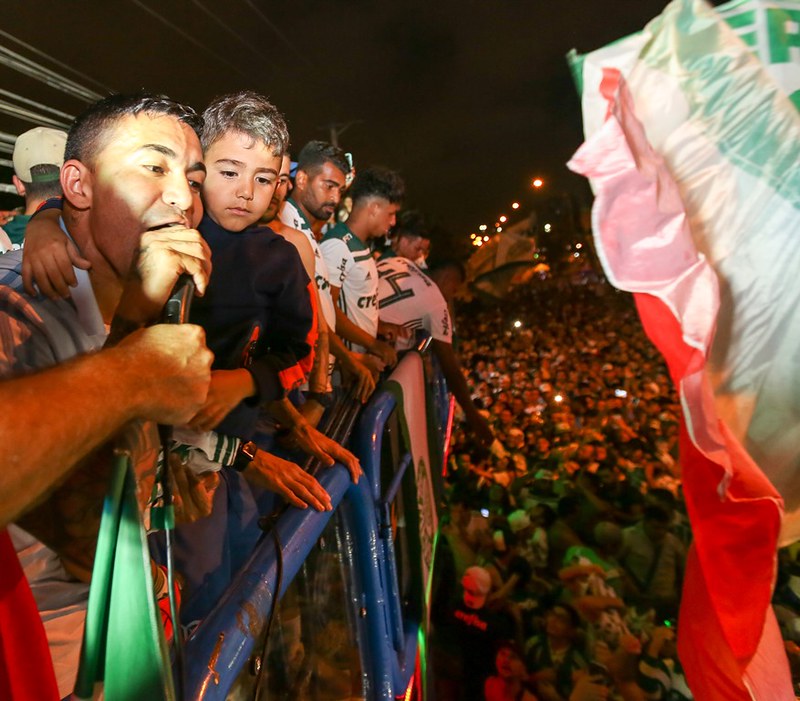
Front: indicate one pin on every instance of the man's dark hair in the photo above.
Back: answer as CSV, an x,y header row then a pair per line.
x,y
316,154
86,134
572,614
378,182
45,182
411,223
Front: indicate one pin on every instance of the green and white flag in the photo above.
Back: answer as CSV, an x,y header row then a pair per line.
x,y
693,151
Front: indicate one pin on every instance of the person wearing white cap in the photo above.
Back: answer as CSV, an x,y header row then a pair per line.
x,y
464,638
37,158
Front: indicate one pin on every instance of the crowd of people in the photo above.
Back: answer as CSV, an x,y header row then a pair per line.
x,y
569,536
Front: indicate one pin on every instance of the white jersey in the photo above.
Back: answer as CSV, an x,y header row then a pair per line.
x,y
291,215
409,298
354,272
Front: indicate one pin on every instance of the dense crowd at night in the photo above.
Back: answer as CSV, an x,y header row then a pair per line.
x,y
564,532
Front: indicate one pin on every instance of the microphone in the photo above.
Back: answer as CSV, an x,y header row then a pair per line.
x,y
176,310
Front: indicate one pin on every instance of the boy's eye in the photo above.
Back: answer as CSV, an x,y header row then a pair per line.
x,y
228,173
264,181
155,169
195,185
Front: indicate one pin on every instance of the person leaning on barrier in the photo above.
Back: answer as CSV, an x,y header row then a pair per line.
x,y
320,183
132,164
409,298
377,194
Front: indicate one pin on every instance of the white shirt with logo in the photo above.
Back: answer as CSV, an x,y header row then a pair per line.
x,y
409,298
354,272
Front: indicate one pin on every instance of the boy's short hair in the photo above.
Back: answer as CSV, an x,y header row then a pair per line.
x,y
316,154
378,182
85,136
248,113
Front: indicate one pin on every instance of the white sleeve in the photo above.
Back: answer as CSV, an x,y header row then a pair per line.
x,y
441,324
338,259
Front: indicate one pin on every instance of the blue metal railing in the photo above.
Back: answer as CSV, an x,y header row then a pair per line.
x,y
229,639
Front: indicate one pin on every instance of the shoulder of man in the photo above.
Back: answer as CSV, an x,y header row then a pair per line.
x,y
342,233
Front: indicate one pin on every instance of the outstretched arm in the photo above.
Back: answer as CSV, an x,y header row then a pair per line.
x,y
458,386
62,414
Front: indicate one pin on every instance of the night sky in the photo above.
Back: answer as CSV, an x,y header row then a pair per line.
x,y
467,100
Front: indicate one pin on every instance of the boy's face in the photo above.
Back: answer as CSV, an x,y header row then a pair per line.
x,y
242,175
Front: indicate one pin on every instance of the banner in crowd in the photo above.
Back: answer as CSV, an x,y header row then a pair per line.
x,y
504,262
693,150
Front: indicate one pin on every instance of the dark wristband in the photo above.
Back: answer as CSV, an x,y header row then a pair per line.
x,y
246,455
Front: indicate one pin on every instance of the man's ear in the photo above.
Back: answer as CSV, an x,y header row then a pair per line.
x,y
19,185
76,182
300,179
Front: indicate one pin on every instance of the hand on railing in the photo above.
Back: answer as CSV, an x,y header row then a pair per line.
x,y
359,376
305,437
287,480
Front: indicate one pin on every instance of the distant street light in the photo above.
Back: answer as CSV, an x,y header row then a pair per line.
x,y
537,183
515,205
482,227
503,219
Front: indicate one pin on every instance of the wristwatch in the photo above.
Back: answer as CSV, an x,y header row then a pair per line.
x,y
246,455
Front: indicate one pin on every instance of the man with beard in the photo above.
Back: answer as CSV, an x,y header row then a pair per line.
x,y
320,182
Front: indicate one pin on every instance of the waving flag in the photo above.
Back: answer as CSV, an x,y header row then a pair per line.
x,y
693,150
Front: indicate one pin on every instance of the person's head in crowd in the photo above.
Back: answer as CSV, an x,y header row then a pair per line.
x,y
321,180
377,195
585,452
515,439
655,522
506,416
282,190
508,661
132,163
504,540
608,537
543,446
520,524
543,516
37,159
543,483
244,140
561,623
476,585
662,498
411,236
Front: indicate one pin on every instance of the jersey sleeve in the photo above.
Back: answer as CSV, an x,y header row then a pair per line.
x,y
440,324
338,259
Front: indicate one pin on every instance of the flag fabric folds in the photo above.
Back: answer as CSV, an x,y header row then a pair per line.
x,y
693,150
